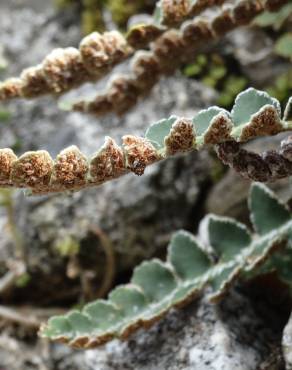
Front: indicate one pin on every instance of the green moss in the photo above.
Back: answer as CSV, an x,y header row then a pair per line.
x,y
232,86
283,46
213,71
23,280
122,10
60,4
282,88
67,246
91,20
274,19
5,115
218,170
91,11
5,197
3,60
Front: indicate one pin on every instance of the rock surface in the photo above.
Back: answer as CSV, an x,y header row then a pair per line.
x,y
287,344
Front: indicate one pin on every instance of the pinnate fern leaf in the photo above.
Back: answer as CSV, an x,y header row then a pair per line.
x,y
254,114
231,252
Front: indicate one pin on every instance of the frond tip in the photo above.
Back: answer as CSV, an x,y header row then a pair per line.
x,y
267,166
158,286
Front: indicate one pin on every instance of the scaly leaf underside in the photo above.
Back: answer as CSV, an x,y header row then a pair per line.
x,y
169,51
156,286
264,167
254,114
64,69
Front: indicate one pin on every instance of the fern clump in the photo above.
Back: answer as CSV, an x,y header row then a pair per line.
x,y
229,252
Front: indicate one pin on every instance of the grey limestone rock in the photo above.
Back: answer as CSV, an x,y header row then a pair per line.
x,y
287,344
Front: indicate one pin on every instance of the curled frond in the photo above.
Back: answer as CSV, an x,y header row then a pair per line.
x,y
254,114
157,286
266,167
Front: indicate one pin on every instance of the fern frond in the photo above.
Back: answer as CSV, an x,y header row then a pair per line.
x,y
65,69
156,286
173,13
254,114
68,68
170,50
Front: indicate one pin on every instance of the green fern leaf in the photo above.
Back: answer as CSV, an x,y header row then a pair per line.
x,y
267,212
249,102
156,286
159,130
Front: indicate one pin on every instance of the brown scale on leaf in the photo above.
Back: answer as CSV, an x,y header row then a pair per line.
x,y
70,168
108,163
167,49
139,153
246,10
174,12
201,5
99,106
139,37
171,49
10,89
227,151
251,165
279,166
219,130
273,5
224,22
7,157
112,48
67,68
146,70
98,51
197,32
265,122
269,166
32,169
123,94
64,69
181,137
34,82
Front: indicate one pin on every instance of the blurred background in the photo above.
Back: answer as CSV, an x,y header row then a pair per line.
x,y
60,251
